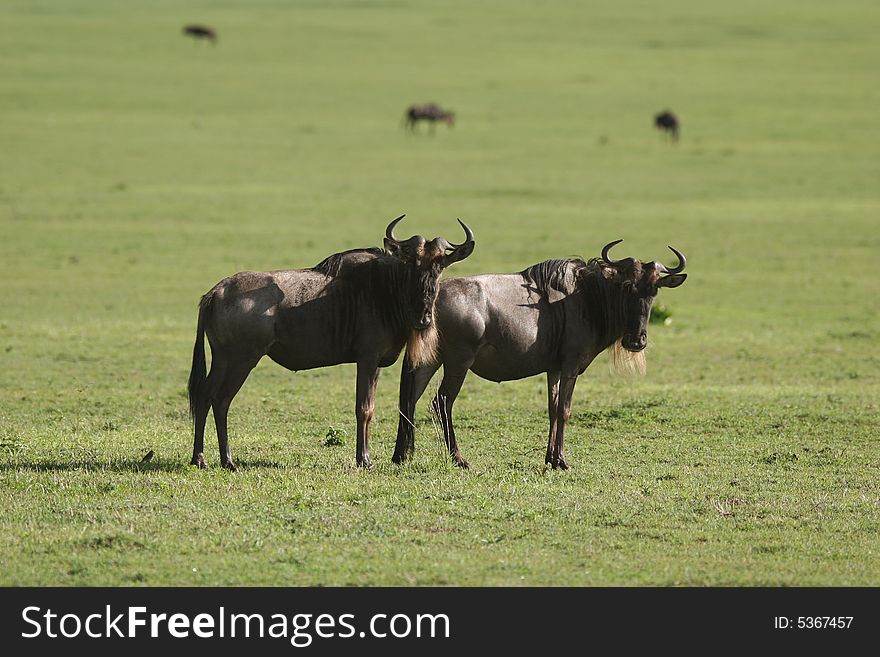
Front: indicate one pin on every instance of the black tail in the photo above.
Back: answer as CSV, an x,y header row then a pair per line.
x,y
198,378
406,430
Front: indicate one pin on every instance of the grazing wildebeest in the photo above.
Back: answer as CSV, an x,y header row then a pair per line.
x,y
430,113
360,306
554,317
201,32
668,123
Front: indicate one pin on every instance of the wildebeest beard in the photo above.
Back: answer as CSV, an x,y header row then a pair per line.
x,y
421,346
627,363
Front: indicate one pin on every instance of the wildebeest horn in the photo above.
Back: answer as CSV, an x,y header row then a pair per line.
x,y
606,249
389,232
468,233
460,251
682,261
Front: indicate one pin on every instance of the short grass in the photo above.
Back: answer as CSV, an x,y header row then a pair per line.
x,y
139,168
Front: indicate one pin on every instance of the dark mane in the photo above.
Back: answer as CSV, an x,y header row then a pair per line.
x,y
368,281
603,294
332,265
551,274
386,282
604,298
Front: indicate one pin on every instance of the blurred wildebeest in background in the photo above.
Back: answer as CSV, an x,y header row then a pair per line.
x,y
668,123
431,113
554,317
360,306
201,32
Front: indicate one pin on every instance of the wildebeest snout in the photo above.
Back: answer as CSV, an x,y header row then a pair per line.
x,y
636,342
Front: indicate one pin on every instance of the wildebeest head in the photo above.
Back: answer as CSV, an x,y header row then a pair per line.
x,y
640,282
426,260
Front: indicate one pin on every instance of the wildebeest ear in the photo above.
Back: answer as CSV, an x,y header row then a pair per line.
x,y
460,253
672,281
392,248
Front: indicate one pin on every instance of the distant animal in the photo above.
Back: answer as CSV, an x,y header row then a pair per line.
x,y
430,113
201,32
668,123
359,306
554,317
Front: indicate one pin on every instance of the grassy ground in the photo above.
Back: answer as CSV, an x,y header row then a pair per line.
x,y
139,168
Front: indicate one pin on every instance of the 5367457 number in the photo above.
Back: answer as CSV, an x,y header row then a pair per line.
x,y
821,622
813,622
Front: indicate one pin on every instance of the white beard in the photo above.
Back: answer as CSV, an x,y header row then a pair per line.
x,y
627,363
421,347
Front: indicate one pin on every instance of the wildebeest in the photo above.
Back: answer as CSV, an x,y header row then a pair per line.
x,y
554,317
201,32
430,113
360,306
668,123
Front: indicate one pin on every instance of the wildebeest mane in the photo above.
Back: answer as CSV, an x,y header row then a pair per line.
x,y
369,281
605,291
389,283
386,281
553,274
603,301
332,265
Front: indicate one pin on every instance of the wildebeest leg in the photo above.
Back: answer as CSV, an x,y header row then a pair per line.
x,y
412,387
200,413
367,378
443,403
200,417
563,412
552,407
233,377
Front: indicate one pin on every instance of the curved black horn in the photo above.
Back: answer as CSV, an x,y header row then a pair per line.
x,y
460,251
682,261
389,232
468,233
606,249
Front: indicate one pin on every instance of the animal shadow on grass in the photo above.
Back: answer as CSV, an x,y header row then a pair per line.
x,y
257,463
134,465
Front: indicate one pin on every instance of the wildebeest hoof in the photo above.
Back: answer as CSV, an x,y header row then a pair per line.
x,y
365,463
460,462
400,459
199,460
229,465
557,463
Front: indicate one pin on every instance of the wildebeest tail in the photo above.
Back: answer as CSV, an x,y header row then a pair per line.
x,y
198,379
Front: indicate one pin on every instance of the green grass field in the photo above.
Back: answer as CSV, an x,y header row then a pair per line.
x,y
139,168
